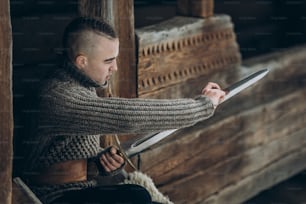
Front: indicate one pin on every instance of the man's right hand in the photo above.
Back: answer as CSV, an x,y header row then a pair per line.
x,y
214,92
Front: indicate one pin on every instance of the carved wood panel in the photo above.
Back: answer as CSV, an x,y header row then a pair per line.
x,y
184,48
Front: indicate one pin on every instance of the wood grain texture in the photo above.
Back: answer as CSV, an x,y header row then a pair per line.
x,y
255,137
125,81
6,109
184,48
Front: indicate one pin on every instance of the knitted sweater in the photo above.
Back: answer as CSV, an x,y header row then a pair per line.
x,y
72,117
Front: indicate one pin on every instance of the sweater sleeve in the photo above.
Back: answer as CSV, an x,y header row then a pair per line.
x,y
81,111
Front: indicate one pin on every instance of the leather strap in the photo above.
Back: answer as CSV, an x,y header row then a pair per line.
x,y
62,172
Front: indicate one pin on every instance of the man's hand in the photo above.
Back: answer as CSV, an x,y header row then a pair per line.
x,y
111,160
214,92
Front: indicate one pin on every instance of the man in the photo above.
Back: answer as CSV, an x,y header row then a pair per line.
x,y
72,118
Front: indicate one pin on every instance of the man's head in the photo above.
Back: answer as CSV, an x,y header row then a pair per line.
x,y
92,45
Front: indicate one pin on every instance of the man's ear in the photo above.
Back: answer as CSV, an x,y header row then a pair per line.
x,y
81,61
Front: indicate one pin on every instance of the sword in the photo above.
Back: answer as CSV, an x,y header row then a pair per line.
x,y
243,84
139,145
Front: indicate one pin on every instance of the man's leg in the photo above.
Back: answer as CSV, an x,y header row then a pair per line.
x,y
123,194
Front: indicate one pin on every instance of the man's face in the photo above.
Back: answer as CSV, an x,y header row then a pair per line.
x,y
100,60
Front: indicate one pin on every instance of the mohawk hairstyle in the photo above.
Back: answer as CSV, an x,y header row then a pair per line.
x,y
73,32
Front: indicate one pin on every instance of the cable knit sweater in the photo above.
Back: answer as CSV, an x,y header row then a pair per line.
x,y
72,117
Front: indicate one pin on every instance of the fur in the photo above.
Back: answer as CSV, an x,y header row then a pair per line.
x,y
144,180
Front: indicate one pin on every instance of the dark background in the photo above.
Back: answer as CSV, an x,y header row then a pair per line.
x,y
261,26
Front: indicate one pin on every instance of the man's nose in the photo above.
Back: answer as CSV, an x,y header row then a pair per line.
x,y
114,67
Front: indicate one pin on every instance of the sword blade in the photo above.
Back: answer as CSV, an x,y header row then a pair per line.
x,y
147,141
243,84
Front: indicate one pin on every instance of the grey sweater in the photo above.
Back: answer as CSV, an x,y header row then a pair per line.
x,y
72,117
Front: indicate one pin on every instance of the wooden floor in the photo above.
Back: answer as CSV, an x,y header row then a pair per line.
x,y
291,191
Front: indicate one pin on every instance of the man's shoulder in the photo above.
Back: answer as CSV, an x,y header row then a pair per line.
x,y
62,83
56,79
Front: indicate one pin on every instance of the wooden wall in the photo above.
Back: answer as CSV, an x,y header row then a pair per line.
x,y
254,141
6,107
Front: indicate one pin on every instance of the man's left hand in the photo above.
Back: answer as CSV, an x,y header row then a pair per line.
x,y
111,160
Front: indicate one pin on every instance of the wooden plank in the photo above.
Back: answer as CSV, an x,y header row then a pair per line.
x,y
6,109
289,191
198,8
211,145
271,175
205,182
184,48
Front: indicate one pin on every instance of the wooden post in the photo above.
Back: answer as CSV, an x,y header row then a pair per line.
x,y
6,112
196,8
102,9
120,14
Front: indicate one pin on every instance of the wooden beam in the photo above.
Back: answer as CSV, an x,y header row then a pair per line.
x,y
120,14
196,8
6,109
126,79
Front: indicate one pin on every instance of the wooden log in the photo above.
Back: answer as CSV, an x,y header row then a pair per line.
x,y
6,107
183,48
226,148
197,8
